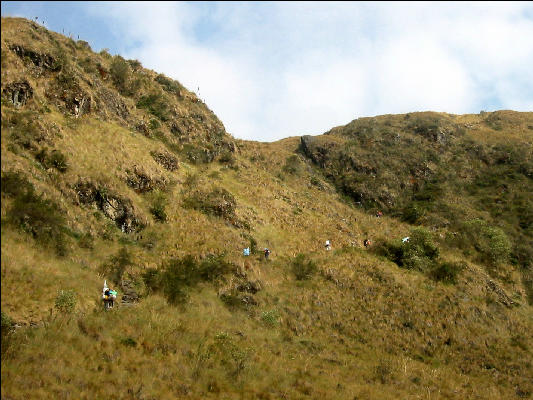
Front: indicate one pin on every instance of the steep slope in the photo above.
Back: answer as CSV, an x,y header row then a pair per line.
x,y
471,175
111,171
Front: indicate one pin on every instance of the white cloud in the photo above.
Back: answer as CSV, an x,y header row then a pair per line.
x,y
271,70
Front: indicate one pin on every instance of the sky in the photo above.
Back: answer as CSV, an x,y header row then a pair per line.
x,y
270,70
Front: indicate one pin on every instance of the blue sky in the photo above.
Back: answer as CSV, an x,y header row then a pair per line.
x,y
270,70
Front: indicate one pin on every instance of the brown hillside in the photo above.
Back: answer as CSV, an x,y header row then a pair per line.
x,y
114,172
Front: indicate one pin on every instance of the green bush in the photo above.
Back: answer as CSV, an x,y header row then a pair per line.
x,y
227,157
152,279
419,253
229,355
168,84
413,212
6,332
426,126
302,267
116,265
213,268
158,207
196,154
7,325
218,202
491,243
292,165
447,272
88,65
270,318
24,128
522,254
56,159
154,124
179,275
156,105
120,74
40,217
65,301
86,241
128,342
135,64
15,183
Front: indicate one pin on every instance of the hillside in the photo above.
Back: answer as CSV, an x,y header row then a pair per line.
x,y
114,172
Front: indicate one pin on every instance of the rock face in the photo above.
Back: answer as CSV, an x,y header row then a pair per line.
x,y
18,92
140,181
250,286
166,160
130,294
68,95
45,61
319,153
113,206
111,104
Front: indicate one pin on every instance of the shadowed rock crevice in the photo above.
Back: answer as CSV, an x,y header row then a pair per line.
x,y
113,206
18,92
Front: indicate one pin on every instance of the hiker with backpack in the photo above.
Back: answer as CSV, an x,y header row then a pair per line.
x,y
108,296
267,253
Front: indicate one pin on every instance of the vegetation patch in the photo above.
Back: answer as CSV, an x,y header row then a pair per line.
x,y
447,272
418,252
55,159
303,268
155,104
218,202
65,301
178,275
33,213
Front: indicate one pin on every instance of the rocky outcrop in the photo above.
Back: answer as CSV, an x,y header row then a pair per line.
x,y
114,207
18,92
68,95
500,293
111,104
140,181
166,160
250,286
319,153
130,294
45,61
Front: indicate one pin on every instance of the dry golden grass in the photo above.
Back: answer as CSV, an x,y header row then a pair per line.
x,y
360,328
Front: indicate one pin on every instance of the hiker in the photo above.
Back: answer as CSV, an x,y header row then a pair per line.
x,y
366,243
405,239
108,296
328,245
267,253
246,251
379,214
